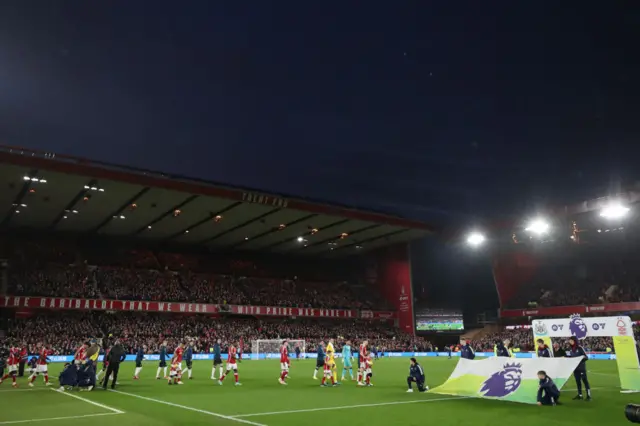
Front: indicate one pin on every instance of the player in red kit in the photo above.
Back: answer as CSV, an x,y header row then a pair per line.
x,y
12,366
232,364
175,372
284,363
362,358
41,367
81,354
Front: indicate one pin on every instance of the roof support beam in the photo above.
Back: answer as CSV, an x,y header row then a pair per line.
x,y
205,220
368,240
338,237
165,214
18,200
242,225
120,209
271,231
323,229
71,204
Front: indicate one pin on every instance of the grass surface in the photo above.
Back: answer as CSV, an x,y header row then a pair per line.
x,y
261,401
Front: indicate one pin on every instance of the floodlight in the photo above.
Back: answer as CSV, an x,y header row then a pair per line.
x,y
300,239
538,226
614,211
475,239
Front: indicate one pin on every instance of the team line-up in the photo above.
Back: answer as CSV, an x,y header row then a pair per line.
x,y
82,372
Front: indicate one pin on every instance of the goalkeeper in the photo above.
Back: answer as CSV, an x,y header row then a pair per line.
x,y
346,360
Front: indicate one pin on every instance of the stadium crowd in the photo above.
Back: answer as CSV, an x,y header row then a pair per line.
x,y
590,276
522,339
142,284
66,331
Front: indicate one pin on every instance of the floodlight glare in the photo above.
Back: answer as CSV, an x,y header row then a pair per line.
x,y
614,211
475,239
538,226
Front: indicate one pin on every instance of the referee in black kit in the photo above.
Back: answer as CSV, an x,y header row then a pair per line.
x,y
116,356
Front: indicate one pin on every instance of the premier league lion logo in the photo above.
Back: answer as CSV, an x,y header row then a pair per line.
x,y
578,327
503,382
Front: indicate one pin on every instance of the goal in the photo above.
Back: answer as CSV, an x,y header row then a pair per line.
x,y
271,348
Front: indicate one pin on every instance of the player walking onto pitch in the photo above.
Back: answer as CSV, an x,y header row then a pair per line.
x,y
331,354
328,372
347,358
319,360
217,360
175,374
162,365
362,357
188,358
368,364
232,364
284,363
12,366
42,368
139,358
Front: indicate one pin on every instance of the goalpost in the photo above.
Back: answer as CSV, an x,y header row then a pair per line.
x,y
619,328
271,348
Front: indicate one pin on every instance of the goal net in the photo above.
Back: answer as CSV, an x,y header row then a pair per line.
x,y
271,348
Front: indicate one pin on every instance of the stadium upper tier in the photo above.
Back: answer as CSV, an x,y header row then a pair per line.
x,y
56,193
118,283
596,276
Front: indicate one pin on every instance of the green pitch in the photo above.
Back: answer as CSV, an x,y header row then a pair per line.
x,y
261,401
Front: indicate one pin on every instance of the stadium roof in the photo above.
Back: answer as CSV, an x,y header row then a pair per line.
x,y
46,191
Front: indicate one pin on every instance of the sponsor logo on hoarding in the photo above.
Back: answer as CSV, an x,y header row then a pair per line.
x,y
540,329
622,327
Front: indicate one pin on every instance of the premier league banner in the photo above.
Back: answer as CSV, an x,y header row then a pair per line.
x,y
618,328
505,379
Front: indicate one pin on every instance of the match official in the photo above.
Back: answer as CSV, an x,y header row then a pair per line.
x,y
416,374
116,356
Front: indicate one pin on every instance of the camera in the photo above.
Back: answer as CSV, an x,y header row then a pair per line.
x,y
632,412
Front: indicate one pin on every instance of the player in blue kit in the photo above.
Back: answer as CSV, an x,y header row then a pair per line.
x,y
217,360
347,359
188,358
163,361
319,360
139,358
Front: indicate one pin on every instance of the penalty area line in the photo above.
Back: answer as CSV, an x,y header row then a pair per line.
x,y
347,407
185,407
88,401
11,422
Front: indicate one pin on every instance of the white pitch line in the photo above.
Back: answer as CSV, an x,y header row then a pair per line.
x,y
10,422
185,407
97,404
24,390
345,407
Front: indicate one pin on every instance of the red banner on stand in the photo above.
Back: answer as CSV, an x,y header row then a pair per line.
x,y
377,315
568,310
171,307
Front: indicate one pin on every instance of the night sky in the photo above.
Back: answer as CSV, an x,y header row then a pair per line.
x,y
443,111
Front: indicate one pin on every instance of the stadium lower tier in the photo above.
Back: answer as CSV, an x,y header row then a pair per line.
x,y
262,401
66,331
